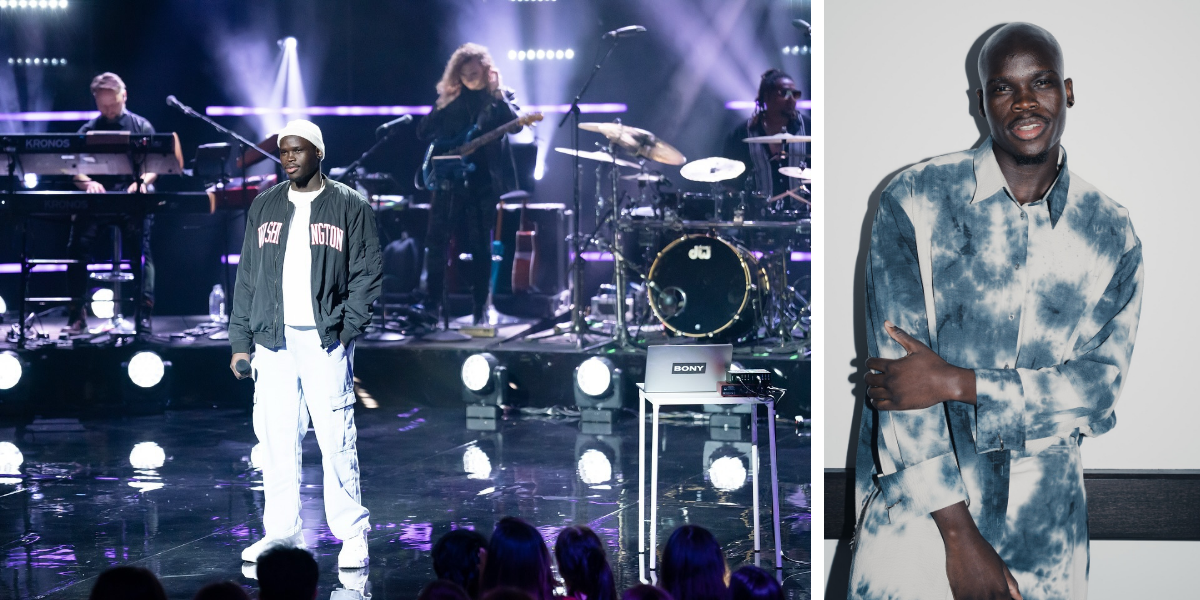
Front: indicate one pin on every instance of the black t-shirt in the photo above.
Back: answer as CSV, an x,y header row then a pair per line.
x,y
128,121
736,149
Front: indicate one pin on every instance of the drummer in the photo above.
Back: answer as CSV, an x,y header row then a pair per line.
x,y
774,112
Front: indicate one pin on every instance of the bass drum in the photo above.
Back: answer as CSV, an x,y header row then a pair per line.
x,y
705,287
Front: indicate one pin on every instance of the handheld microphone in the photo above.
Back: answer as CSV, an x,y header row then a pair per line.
x,y
624,32
386,128
243,367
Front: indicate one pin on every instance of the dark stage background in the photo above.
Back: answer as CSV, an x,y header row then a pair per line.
x,y
676,79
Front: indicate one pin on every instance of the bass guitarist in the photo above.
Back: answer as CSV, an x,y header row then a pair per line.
x,y
469,94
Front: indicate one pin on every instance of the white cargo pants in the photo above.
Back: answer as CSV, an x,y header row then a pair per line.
x,y
293,383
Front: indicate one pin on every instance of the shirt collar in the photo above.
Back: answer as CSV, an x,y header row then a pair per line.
x,y
989,180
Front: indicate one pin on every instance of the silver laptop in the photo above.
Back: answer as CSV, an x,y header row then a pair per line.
x,y
687,368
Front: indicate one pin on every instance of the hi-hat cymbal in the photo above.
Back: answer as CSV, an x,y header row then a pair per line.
x,y
598,156
638,141
796,173
712,170
779,138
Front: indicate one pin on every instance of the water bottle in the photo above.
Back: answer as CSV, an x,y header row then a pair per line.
x,y
216,305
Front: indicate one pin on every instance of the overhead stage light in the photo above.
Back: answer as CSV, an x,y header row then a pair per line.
x,y
3,306
288,43
147,455
10,459
146,369
11,369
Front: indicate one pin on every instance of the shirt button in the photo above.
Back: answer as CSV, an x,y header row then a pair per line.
x,y
1005,365
1022,215
1011,317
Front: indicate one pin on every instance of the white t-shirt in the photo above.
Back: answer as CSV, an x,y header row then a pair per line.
x,y
297,264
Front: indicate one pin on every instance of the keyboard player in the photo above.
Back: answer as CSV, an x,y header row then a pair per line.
x,y
110,94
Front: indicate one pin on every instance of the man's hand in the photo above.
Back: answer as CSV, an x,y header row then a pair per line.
x,y
919,380
94,187
234,361
973,568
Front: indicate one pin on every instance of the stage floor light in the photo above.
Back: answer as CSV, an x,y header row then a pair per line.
x,y
476,463
595,376
102,303
727,474
146,369
11,370
147,455
477,372
10,459
595,468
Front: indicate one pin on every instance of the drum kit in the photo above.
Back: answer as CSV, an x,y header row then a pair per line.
x,y
713,266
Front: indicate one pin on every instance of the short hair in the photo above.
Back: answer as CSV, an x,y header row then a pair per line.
x,y
583,564
693,566
753,583
456,558
442,589
517,557
222,590
127,583
1004,34
287,573
645,591
107,81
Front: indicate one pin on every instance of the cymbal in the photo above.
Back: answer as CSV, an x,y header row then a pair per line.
x,y
779,138
796,173
638,141
712,170
598,156
647,177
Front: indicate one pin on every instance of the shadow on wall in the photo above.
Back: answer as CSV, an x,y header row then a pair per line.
x,y
839,575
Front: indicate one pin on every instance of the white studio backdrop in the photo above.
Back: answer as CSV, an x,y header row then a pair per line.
x,y
899,88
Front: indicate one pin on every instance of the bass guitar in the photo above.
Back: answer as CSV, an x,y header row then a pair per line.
x,y
448,158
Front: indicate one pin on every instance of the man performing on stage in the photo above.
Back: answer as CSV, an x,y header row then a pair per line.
x,y
110,94
774,112
1003,297
309,272
470,93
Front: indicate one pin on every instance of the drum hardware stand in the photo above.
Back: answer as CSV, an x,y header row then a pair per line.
x,y
620,339
579,327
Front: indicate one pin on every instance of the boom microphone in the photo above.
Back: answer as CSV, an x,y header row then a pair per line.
x,y
802,24
386,128
174,102
624,32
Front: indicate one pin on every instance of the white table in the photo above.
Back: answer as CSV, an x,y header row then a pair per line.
x,y
659,399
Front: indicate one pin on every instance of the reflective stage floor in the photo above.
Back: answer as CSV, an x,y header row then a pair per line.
x,y
79,506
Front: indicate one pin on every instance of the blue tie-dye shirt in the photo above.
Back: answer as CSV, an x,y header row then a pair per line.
x,y
1041,300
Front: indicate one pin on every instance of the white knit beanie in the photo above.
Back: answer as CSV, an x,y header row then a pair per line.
x,y
305,129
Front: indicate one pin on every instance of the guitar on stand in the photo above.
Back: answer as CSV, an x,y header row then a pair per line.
x,y
524,251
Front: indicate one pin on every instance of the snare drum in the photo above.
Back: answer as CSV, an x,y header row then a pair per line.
x,y
703,286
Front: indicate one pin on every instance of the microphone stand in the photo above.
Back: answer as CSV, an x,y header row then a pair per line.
x,y
351,171
579,327
243,143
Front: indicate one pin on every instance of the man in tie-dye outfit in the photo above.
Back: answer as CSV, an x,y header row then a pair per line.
x,y
1003,295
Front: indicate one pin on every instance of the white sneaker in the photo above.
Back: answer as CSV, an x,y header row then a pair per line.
x,y
256,549
354,553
